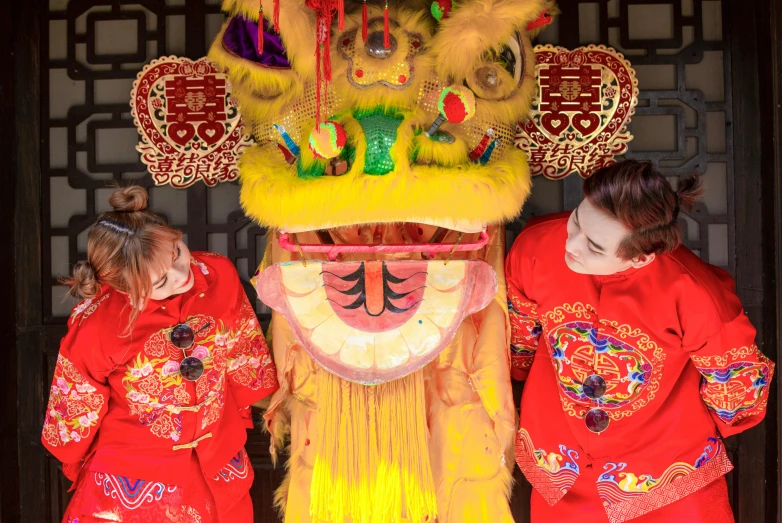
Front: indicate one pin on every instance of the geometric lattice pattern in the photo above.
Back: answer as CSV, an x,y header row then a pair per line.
x,y
683,120
91,54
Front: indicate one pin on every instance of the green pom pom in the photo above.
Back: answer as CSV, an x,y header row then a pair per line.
x,y
440,9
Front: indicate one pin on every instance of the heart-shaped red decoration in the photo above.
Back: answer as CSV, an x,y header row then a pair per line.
x,y
578,122
555,123
189,125
211,132
181,133
585,123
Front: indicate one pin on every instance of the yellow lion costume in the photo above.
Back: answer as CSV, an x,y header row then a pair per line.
x,y
384,168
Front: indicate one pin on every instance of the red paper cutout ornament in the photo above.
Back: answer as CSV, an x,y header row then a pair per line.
x,y
578,121
189,124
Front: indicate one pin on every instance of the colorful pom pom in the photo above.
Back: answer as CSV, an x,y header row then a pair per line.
x,y
441,8
328,141
456,104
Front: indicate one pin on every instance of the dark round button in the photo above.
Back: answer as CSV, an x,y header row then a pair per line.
x,y
594,386
182,336
191,368
597,420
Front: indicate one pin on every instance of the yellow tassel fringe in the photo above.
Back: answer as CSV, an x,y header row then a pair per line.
x,y
373,461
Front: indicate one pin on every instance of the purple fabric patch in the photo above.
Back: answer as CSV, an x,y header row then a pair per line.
x,y
241,39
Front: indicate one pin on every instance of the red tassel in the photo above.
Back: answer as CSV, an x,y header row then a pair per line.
x,y
260,28
325,14
364,21
341,14
318,85
386,29
327,53
276,16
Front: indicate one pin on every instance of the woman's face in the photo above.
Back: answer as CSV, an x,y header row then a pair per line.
x,y
178,278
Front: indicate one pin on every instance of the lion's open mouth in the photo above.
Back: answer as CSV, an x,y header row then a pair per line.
x,y
333,244
375,321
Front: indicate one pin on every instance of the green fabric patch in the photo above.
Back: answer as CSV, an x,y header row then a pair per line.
x,y
380,130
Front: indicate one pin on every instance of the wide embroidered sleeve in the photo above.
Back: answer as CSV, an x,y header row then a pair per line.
x,y
721,343
251,372
522,311
78,398
736,376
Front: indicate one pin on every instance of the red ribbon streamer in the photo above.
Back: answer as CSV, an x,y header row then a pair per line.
x,y
260,28
386,28
364,21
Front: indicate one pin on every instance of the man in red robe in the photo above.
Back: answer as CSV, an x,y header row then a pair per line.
x,y
638,358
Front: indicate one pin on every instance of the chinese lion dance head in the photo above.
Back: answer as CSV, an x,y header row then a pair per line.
x,y
378,164
383,168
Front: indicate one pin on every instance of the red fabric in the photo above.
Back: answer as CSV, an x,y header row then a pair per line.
x,y
100,497
583,505
676,351
386,28
260,29
364,21
119,403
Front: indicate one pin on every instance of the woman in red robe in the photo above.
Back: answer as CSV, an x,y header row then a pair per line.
x,y
638,359
150,399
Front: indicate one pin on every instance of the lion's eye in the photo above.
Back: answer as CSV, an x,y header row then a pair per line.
x,y
509,56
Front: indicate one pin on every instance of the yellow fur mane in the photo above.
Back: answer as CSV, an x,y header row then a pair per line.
x,y
459,198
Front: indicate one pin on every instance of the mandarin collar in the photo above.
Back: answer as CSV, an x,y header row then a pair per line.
x,y
619,276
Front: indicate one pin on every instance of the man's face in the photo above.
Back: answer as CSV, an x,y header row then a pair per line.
x,y
593,238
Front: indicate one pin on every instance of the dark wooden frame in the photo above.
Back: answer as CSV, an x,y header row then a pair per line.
x,y
25,199
773,143
9,490
746,33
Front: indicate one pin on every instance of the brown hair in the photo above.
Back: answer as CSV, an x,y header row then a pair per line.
x,y
641,198
124,247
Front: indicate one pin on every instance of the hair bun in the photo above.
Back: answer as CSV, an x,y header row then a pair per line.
x,y
83,283
129,199
690,190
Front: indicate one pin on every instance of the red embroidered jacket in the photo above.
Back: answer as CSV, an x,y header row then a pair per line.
x,y
678,357
119,403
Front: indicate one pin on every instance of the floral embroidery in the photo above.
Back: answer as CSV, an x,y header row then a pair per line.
x,y
87,307
156,391
626,495
626,358
250,364
525,332
154,388
74,406
81,307
550,473
200,265
735,390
